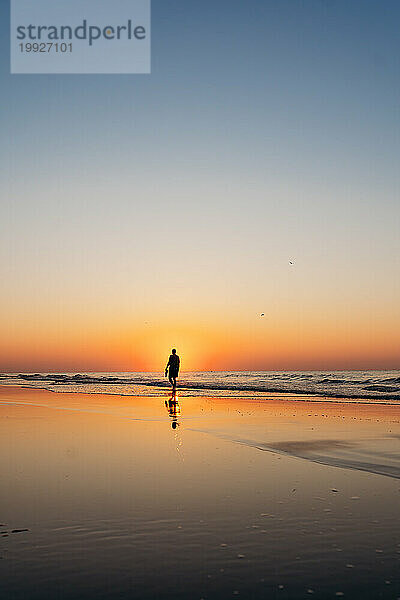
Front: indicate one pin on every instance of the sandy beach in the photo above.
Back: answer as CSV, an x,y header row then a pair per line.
x,y
119,496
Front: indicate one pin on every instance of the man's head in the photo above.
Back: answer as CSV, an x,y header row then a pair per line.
x,y
173,351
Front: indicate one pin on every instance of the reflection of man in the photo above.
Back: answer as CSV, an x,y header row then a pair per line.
x,y
173,367
174,410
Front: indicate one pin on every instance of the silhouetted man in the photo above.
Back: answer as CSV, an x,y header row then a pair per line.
x,y
173,366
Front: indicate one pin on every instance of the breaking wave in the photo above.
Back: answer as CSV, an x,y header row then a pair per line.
x,y
374,386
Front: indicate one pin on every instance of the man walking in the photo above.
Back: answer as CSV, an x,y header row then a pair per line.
x,y
173,367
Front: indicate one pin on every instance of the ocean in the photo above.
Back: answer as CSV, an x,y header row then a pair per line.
x,y
365,386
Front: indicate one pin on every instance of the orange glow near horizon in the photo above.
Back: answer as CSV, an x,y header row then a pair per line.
x,y
254,343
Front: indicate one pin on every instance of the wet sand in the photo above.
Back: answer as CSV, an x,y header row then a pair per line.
x,y
125,497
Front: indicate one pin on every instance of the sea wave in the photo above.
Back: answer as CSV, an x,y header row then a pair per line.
x,y
373,386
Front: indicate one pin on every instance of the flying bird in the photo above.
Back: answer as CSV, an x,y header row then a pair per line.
x,y
262,315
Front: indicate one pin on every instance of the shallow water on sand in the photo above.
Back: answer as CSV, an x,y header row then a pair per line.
x,y
144,498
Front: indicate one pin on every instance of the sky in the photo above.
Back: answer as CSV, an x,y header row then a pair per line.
x,y
144,212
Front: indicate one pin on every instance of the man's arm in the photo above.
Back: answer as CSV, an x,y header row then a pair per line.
x,y
166,368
